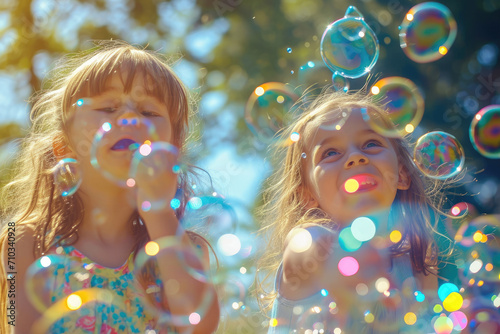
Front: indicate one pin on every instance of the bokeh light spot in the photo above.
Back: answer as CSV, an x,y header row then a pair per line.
x,y
152,248
348,266
74,302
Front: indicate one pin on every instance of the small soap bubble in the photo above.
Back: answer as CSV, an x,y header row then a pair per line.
x,y
269,110
303,155
404,105
439,155
67,176
340,83
484,132
349,46
122,148
289,50
427,32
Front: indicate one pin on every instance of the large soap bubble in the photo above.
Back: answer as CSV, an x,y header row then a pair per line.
x,y
268,109
485,131
427,32
439,155
404,104
349,46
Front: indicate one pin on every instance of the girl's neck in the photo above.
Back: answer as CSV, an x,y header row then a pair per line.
x,y
107,213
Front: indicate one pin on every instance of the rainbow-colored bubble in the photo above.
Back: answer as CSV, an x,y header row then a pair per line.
x,y
349,46
268,109
427,32
484,132
439,155
67,176
404,104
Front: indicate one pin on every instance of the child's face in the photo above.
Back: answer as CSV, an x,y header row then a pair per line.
x,y
131,115
353,152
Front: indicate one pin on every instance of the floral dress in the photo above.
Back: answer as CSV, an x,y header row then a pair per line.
x,y
104,300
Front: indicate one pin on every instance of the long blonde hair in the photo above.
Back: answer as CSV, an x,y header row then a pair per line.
x,y
31,198
284,204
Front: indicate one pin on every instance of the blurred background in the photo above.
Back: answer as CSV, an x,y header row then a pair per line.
x,y
225,49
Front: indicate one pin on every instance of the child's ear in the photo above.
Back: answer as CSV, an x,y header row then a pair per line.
x,y
61,149
404,180
308,198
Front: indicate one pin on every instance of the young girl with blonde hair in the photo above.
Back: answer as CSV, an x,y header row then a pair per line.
x,y
326,279
92,235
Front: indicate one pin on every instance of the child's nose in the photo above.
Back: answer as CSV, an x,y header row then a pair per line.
x,y
128,118
356,159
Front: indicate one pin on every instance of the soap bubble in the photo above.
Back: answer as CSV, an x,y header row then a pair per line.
x,y
340,83
151,161
404,104
153,287
115,165
478,243
427,32
484,131
67,176
439,155
349,46
268,110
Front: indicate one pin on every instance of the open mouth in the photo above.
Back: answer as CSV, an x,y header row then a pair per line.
x,y
360,183
124,144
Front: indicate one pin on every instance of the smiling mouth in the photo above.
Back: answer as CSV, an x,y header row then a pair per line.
x,y
124,144
360,183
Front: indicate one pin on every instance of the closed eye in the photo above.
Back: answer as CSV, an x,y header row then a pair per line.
x,y
107,109
149,113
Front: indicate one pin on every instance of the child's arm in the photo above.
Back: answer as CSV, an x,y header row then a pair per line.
x,y
25,313
163,223
191,291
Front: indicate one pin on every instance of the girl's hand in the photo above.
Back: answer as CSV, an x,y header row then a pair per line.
x,y
155,179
